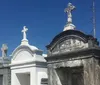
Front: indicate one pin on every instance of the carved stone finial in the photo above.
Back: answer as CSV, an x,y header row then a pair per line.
x,y
68,10
4,50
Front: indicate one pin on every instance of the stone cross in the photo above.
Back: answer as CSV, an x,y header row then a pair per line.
x,y
68,11
4,50
24,32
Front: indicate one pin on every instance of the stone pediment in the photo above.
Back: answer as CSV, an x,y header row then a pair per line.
x,y
68,45
25,53
23,56
70,40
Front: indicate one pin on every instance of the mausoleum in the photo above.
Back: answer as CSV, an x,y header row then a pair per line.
x,y
73,56
28,66
5,72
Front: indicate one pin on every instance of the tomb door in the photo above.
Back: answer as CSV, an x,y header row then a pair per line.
x,y
71,76
77,76
1,79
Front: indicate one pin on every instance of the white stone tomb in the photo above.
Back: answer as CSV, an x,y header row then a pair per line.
x,y
28,66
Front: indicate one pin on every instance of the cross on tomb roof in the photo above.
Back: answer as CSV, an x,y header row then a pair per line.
x,y
24,32
68,10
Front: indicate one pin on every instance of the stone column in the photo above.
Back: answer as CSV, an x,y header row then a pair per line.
x,y
92,72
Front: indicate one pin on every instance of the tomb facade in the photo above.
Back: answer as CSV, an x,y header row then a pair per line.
x,y
28,66
73,57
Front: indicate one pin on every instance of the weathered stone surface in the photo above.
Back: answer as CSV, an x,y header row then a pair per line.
x,y
73,59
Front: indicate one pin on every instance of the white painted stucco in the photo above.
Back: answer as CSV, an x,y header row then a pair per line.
x,y
27,66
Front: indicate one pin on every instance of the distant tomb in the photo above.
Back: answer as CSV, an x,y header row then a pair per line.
x,y
5,73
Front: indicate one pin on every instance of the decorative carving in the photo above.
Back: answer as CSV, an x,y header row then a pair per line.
x,y
69,45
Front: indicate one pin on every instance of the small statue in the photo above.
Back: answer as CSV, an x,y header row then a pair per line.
x,y
4,50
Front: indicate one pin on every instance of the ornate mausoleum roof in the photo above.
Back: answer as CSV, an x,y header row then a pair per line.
x,y
25,44
74,33
71,40
26,53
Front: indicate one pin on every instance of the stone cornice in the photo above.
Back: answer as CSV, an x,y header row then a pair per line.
x,y
82,53
28,64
